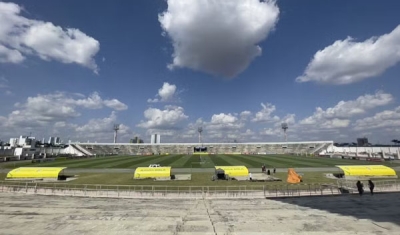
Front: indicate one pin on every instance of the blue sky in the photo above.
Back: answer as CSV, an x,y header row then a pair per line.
x,y
237,68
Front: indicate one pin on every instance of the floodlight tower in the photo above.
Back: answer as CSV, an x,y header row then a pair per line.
x,y
284,128
116,129
200,130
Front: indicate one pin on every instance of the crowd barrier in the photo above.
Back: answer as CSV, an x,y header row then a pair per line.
x,y
190,192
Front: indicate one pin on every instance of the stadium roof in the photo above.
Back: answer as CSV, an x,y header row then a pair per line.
x,y
210,144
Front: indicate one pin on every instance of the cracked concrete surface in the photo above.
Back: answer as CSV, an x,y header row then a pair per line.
x,y
34,214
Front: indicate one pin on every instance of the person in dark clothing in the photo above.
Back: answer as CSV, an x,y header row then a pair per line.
x,y
268,172
360,188
371,186
274,171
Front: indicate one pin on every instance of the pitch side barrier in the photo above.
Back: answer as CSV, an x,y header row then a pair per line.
x,y
188,192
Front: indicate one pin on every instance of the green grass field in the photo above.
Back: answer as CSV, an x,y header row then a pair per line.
x,y
195,161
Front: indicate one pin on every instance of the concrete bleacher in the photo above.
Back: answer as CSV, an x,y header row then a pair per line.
x,y
300,148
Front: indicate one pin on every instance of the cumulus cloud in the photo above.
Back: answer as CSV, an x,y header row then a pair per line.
x,y
10,55
339,115
167,93
265,114
115,104
387,118
101,126
41,110
170,117
348,109
289,119
347,61
224,121
20,37
217,37
245,115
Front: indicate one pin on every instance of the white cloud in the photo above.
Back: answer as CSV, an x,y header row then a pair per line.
x,y
167,93
10,55
169,118
101,126
41,110
115,104
387,118
21,36
224,121
264,115
245,115
347,109
337,118
271,132
347,61
217,37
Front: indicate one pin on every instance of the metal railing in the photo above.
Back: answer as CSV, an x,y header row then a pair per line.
x,y
162,191
349,186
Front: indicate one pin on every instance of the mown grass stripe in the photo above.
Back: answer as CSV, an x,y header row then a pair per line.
x,y
180,161
136,162
234,161
298,161
192,159
169,160
219,161
249,162
117,161
80,164
282,161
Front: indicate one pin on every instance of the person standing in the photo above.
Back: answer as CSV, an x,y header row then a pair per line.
x,y
360,188
371,186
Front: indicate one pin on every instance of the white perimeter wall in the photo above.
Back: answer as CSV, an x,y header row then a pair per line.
x,y
334,149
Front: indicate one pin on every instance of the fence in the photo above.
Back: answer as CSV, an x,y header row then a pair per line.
x,y
173,192
380,185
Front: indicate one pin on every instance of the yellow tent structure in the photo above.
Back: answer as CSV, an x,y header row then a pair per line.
x,y
152,172
35,173
378,171
293,177
233,171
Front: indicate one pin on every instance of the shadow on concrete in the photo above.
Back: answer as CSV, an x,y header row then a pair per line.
x,y
381,207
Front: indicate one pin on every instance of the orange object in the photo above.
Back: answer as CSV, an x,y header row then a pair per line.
x,y
293,177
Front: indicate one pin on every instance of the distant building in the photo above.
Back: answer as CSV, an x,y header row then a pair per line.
x,y
155,139
54,141
362,142
136,140
23,141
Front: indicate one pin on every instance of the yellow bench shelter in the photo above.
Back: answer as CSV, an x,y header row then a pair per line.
x,y
233,171
371,171
36,173
152,172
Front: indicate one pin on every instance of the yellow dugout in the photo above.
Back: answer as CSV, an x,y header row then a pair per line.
x,y
35,172
152,172
368,170
234,170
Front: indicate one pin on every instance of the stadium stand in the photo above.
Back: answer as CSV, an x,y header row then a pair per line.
x,y
302,148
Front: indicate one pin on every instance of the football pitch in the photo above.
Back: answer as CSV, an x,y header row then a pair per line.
x,y
196,161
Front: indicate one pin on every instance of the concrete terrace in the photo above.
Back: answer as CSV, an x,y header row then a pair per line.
x,y
347,214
